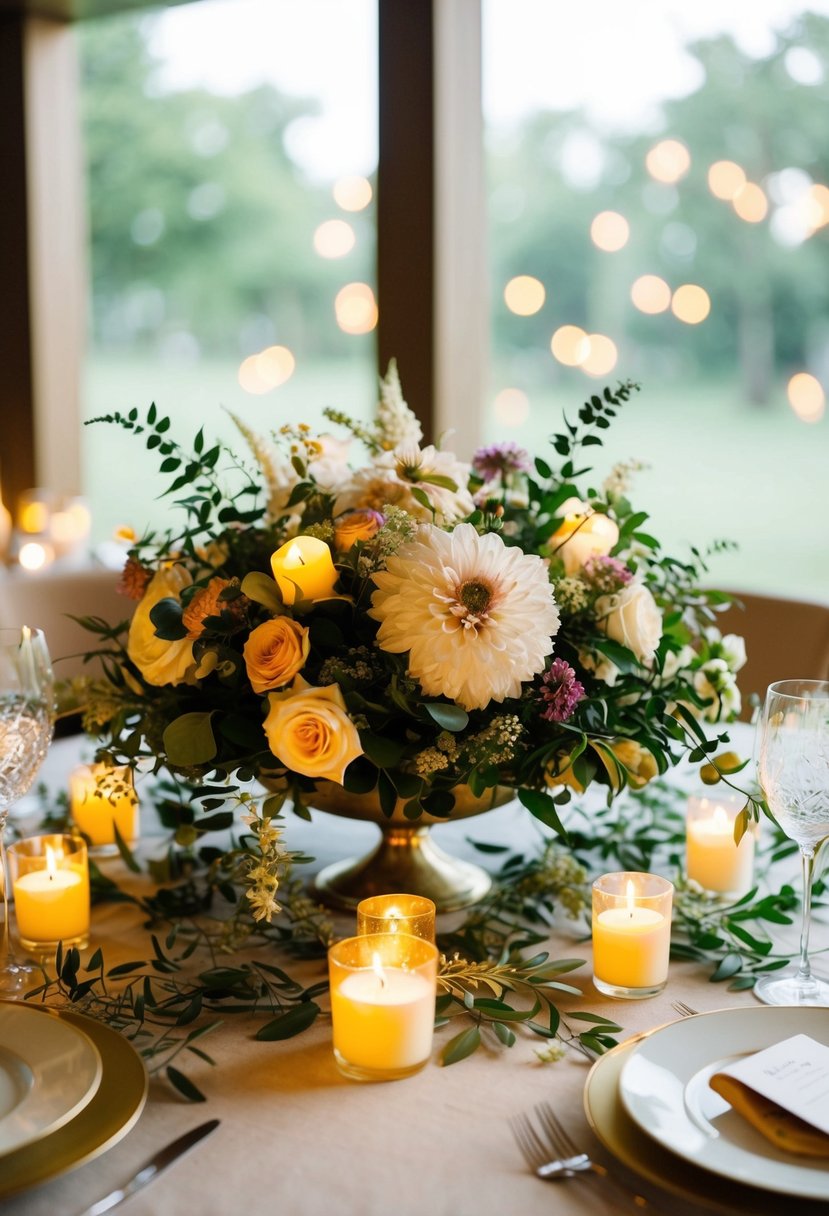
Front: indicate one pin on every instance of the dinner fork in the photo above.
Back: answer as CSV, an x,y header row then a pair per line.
x,y
551,1153
684,1011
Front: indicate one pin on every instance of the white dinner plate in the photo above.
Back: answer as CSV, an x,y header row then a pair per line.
x,y
49,1071
664,1088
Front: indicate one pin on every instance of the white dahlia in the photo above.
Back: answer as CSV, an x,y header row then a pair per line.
x,y
476,616
393,476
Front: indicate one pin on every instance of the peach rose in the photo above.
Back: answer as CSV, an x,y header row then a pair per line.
x,y
356,525
158,661
310,732
275,652
639,762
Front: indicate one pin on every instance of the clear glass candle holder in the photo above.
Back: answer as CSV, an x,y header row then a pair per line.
x,y
50,883
413,914
712,857
383,990
631,934
102,798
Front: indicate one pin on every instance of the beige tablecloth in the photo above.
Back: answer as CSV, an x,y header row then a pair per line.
x,y
299,1140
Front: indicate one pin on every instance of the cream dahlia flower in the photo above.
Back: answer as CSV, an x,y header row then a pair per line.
x,y
392,477
476,616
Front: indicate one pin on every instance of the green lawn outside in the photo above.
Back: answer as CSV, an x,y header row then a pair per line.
x,y
718,467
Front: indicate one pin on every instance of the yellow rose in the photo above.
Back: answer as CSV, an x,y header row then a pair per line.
x,y
158,661
275,652
640,764
582,534
310,732
555,777
356,525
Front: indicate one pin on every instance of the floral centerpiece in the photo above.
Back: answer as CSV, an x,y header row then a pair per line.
x,y
409,625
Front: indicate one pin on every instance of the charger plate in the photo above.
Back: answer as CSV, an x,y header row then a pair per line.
x,y
621,1137
664,1088
49,1071
112,1110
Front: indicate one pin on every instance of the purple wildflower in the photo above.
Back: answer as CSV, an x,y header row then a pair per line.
x,y
561,690
606,574
499,460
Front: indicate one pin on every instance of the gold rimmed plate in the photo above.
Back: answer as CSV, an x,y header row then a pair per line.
x,y
621,1137
49,1071
113,1109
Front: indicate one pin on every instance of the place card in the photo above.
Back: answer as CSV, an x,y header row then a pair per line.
x,y
794,1074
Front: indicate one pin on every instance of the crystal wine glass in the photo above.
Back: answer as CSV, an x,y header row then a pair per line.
x,y
794,776
27,714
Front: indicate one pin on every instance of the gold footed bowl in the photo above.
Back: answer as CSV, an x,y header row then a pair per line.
x,y
406,858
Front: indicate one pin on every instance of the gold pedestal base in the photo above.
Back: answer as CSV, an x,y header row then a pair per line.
x,y
406,859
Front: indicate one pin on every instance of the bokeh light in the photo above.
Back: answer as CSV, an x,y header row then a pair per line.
x,y
750,203
334,239
352,193
511,407
725,179
275,365
356,309
668,161
34,556
690,303
249,377
601,357
524,295
651,294
610,231
806,397
570,345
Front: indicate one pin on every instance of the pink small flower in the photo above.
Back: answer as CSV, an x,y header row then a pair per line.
x,y
606,574
561,691
500,460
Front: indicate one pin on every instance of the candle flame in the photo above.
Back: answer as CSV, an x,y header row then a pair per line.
x,y
719,822
294,556
51,861
630,896
26,634
377,968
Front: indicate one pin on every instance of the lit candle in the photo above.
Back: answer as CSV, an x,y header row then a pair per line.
x,y
631,934
412,914
50,880
102,799
712,857
303,568
383,989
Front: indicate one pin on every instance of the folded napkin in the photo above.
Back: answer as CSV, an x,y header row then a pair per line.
x,y
783,1129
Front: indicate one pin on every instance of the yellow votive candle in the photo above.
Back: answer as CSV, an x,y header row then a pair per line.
x,y
631,934
413,914
303,569
712,857
102,799
50,881
383,988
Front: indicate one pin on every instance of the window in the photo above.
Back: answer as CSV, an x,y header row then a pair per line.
x,y
231,155
658,199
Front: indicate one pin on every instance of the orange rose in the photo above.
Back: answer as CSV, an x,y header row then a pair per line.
x,y
275,652
352,526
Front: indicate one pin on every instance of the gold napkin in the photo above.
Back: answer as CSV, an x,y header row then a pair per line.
x,y
785,1130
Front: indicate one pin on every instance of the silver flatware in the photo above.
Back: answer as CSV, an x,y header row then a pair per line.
x,y
152,1168
684,1011
552,1155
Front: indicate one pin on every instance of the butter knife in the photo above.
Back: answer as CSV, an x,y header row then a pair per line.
x,y
152,1168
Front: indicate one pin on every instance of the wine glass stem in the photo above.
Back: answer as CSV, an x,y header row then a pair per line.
x,y
804,972
7,956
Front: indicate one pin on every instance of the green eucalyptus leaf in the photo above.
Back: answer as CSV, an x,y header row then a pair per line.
x,y
447,716
461,1046
189,740
184,1085
290,1023
262,590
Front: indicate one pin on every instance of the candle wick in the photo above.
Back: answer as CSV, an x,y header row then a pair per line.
x,y
302,561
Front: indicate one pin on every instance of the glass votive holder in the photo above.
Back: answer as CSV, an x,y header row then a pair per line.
x,y
414,914
102,798
383,990
50,882
631,934
712,857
